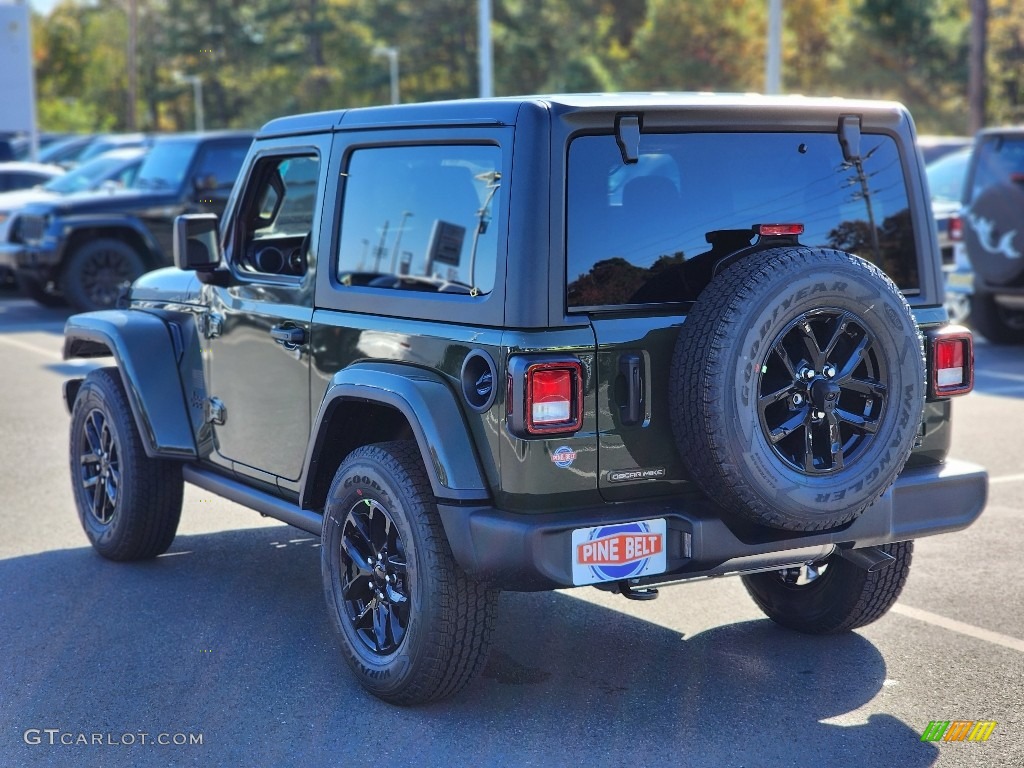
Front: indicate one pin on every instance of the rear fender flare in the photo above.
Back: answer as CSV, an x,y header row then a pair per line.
x,y
429,406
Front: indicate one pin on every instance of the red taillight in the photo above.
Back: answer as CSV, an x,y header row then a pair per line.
x,y
956,228
780,230
952,363
553,397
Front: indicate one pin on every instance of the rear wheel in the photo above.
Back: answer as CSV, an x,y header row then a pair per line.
x,y
128,503
98,271
412,625
833,596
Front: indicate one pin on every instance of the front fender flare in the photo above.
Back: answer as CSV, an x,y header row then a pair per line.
x,y
428,404
147,357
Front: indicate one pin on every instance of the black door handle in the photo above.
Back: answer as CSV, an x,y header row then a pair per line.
x,y
288,336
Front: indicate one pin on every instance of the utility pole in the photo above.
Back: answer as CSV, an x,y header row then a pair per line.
x,y
773,58
976,78
133,37
486,55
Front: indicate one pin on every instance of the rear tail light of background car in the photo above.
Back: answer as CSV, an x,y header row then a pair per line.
x,y
545,396
952,362
956,228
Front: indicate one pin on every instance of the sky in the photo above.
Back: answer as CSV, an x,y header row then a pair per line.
x,y
42,6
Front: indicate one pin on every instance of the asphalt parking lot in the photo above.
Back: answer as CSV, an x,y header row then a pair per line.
x,y
225,639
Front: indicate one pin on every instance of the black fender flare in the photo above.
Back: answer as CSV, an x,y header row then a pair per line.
x,y
147,353
428,404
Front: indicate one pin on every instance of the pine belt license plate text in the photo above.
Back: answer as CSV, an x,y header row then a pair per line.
x,y
620,551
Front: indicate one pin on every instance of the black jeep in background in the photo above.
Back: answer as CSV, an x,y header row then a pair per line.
x,y
87,248
536,343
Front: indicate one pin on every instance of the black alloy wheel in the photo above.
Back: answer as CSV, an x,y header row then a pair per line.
x,y
100,471
104,275
376,587
97,273
128,503
822,392
412,625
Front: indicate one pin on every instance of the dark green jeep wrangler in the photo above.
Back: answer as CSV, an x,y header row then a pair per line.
x,y
535,343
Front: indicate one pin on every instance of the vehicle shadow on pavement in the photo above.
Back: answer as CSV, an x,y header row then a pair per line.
x,y
227,636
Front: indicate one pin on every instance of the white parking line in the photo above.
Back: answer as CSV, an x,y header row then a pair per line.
x,y
1013,643
1000,375
1006,479
31,347
1008,389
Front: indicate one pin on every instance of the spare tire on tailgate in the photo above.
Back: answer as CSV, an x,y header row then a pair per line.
x,y
994,234
798,385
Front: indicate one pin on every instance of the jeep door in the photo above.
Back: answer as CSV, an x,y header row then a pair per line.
x,y
258,327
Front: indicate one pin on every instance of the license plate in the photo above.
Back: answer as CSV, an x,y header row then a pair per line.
x,y
620,551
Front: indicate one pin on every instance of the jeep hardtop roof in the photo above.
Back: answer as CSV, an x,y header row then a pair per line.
x,y
504,110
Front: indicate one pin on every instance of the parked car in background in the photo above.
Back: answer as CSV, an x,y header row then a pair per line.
x,y
66,150
112,171
12,147
86,248
77,149
946,182
934,147
21,175
993,233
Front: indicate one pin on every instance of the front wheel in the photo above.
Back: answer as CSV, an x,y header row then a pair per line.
x,y
833,596
412,625
128,503
98,271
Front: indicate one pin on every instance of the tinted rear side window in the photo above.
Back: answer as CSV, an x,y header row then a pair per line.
x,y
419,218
651,232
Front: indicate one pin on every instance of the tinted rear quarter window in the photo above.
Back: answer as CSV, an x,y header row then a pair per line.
x,y
419,218
650,232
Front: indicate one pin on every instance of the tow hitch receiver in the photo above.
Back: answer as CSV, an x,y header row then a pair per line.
x,y
632,593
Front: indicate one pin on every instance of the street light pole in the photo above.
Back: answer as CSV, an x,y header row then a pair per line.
x,y
486,54
392,56
197,97
773,59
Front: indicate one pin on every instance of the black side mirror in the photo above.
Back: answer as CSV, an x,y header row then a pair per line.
x,y
196,242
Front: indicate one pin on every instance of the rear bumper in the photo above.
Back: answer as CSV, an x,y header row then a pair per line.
x,y
533,552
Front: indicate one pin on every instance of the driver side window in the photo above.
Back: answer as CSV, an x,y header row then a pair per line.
x,y
278,216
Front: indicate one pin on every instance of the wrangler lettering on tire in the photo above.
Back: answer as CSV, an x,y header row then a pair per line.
x,y
798,383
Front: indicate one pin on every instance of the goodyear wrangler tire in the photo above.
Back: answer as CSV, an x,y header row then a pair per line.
x,y
798,385
129,504
838,597
412,625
